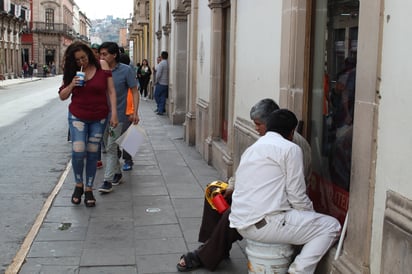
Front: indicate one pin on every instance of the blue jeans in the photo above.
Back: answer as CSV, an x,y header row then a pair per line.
x,y
160,97
85,136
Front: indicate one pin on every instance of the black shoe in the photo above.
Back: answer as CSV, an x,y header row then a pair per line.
x,y
117,179
89,199
159,113
106,187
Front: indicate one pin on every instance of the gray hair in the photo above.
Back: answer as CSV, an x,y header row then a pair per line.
x,y
261,110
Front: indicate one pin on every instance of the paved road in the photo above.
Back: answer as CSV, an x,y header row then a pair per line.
x,y
143,226
34,153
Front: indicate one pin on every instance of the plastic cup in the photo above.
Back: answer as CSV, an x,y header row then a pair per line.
x,y
80,75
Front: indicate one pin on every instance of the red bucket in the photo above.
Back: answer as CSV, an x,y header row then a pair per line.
x,y
220,203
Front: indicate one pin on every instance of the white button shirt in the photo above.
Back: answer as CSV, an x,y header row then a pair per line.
x,y
269,179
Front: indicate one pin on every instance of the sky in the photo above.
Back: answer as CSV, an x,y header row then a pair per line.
x,y
99,9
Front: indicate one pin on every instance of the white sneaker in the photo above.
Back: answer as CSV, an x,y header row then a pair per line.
x,y
145,98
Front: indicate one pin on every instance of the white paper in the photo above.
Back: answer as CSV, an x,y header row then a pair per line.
x,y
132,139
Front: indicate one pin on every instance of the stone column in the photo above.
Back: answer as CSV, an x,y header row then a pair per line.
x,y
178,95
165,42
216,49
191,94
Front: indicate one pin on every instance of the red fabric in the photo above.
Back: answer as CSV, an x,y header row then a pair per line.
x,y
90,102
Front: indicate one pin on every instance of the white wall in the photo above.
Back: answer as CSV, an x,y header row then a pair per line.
x,y
258,42
203,72
159,12
394,153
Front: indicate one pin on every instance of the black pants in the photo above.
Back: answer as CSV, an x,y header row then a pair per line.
x,y
217,237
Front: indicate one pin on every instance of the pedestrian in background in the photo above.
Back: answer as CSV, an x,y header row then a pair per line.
x,y
143,75
88,111
162,84
25,69
35,70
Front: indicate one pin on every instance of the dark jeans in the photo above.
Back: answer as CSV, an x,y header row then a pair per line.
x,y
160,97
143,87
217,236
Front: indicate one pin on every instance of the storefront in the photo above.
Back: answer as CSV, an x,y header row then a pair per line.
x,y
333,72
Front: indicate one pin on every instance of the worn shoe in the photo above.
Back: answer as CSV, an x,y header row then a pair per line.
x,y
160,113
99,164
117,180
127,167
106,187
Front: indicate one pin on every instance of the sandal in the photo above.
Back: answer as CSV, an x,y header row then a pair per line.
x,y
89,199
77,195
190,262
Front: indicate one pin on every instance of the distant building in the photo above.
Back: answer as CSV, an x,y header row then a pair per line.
x,y
123,37
52,27
140,34
13,18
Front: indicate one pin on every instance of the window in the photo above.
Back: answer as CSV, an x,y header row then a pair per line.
x,y
332,107
49,19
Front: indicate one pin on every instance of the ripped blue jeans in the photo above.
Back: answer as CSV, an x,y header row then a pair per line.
x,y
85,136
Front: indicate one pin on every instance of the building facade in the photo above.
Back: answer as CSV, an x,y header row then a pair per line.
x,y
53,26
140,34
341,66
13,18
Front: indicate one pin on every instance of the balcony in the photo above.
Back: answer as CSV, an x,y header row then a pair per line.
x,y
52,28
60,29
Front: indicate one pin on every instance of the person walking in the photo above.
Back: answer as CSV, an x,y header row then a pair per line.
x,y
124,78
25,69
88,112
143,75
162,84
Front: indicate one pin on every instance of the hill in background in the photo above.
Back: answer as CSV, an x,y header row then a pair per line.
x,y
107,29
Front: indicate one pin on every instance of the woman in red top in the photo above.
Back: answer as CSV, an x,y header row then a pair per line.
x,y
88,112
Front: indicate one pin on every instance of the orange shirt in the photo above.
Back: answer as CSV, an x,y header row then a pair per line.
x,y
129,103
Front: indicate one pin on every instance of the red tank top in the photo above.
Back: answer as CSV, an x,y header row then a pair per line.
x,y
90,102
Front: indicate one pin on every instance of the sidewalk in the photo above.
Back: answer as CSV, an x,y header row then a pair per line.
x,y
144,225
10,82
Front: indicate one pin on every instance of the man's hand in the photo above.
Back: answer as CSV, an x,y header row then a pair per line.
x,y
228,193
135,118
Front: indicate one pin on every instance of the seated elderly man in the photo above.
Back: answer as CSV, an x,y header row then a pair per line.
x,y
270,204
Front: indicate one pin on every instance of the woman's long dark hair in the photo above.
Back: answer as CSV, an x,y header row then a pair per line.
x,y
70,65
